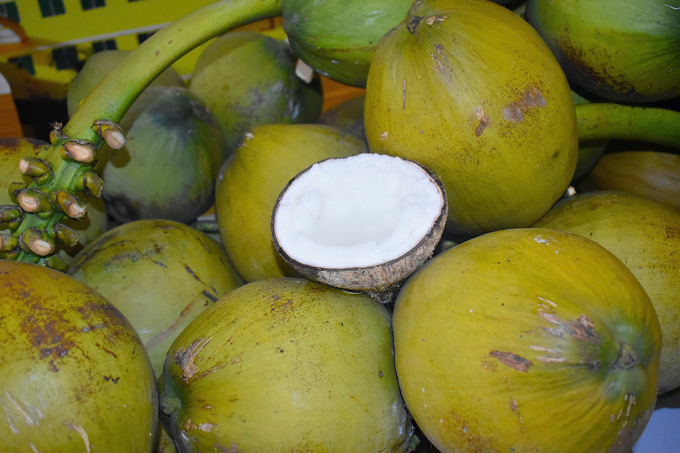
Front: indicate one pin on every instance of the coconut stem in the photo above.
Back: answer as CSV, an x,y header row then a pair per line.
x,y
109,101
597,121
627,357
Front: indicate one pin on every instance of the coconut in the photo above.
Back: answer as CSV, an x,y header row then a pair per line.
x,y
247,78
73,372
645,236
645,171
363,222
338,37
167,168
160,274
527,340
469,90
286,365
626,54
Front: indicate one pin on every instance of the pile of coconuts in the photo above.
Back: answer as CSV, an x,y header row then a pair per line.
x,y
481,253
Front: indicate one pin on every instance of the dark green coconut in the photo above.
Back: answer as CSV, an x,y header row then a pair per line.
x,y
168,167
626,52
338,37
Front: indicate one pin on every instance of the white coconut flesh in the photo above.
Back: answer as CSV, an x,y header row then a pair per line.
x,y
355,212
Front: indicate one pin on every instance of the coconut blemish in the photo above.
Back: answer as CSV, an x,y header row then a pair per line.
x,y
359,211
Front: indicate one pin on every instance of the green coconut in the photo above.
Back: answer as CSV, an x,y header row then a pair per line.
x,y
168,166
645,236
97,66
12,150
160,274
653,174
469,90
73,372
251,180
247,78
527,339
625,54
338,37
284,365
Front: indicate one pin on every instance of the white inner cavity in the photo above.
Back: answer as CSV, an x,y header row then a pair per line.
x,y
357,211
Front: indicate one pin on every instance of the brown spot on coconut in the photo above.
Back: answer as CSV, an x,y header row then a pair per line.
x,y
360,223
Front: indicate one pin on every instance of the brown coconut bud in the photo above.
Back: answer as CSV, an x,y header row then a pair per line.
x,y
70,204
111,133
80,150
15,189
65,234
36,241
8,242
54,262
33,200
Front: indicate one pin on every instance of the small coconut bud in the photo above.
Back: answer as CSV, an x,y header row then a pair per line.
x,y
15,188
54,262
36,241
70,204
56,134
33,200
8,242
65,234
37,169
111,133
10,216
81,151
93,183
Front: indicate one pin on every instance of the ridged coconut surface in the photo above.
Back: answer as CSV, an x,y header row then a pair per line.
x,y
251,180
160,274
527,340
73,372
645,236
470,91
284,365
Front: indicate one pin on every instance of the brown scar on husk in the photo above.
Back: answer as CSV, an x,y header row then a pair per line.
x,y
403,98
383,136
440,66
483,119
185,358
582,329
512,360
531,99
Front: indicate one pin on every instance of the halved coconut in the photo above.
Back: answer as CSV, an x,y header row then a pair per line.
x,y
364,222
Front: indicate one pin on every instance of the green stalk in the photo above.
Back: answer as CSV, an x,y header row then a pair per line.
x,y
119,89
607,121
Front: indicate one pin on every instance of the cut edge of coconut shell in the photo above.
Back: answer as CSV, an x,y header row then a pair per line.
x,y
381,281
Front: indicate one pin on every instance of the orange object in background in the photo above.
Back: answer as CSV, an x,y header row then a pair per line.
x,y
335,93
10,126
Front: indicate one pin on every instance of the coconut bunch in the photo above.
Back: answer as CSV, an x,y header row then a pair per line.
x,y
472,133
